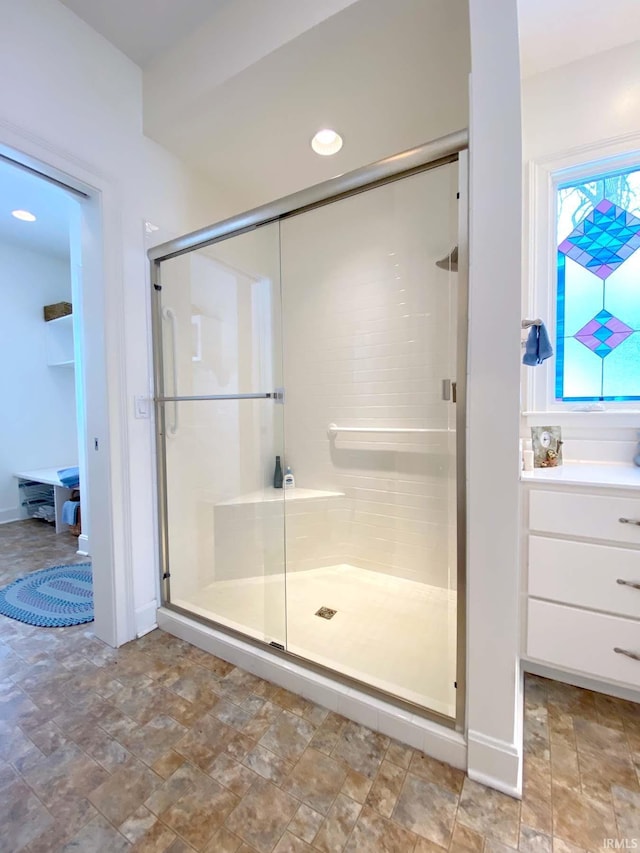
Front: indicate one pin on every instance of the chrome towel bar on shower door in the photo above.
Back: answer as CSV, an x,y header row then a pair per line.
x,y
269,395
334,429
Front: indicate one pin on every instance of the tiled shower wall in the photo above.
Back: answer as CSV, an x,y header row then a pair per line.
x,y
369,335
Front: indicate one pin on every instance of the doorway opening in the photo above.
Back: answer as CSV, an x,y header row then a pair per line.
x,y
44,508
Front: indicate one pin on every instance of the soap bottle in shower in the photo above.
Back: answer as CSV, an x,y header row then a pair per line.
x,y
289,479
277,475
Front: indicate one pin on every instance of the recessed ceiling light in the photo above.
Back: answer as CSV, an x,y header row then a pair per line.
x,y
24,215
326,142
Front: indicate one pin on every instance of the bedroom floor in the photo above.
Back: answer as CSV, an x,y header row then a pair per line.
x,y
159,746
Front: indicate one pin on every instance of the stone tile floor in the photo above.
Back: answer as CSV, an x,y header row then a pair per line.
x,y
159,746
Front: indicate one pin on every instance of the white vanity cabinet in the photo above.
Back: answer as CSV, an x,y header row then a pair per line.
x,y
581,575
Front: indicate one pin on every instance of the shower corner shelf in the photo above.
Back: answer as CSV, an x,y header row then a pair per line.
x,y
272,495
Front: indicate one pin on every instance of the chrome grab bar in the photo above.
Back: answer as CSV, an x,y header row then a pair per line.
x,y
626,653
169,314
334,429
632,584
629,521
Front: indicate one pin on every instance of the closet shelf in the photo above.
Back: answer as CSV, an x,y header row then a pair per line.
x,y
59,336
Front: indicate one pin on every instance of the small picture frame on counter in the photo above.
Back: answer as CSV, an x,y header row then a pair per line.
x,y
547,446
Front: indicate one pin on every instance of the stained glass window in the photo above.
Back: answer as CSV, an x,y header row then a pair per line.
x,y
598,296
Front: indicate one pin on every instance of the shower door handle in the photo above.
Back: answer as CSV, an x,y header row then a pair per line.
x,y
169,314
449,390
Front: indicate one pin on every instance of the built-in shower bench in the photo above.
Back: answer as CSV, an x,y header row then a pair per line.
x,y
248,532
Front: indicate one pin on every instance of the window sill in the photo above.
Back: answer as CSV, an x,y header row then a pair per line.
x,y
612,419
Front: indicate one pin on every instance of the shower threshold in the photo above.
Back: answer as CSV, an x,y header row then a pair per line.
x,y
397,635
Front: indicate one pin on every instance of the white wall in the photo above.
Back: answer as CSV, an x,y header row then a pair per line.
x,y
368,338
560,130
77,105
558,105
38,427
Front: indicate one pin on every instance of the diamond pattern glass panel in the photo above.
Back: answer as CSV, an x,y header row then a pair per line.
x,y
599,231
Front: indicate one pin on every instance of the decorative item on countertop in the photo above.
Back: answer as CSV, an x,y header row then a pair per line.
x,y
547,446
527,455
289,479
277,475
636,458
58,309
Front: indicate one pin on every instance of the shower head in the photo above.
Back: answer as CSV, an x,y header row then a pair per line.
x,y
450,262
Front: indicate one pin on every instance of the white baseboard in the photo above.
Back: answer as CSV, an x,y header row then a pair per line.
x,y
146,619
495,763
11,514
83,545
435,740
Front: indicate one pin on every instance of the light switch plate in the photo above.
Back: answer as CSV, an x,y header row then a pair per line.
x,y
142,407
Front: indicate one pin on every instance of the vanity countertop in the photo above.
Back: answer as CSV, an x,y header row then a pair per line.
x,y
606,475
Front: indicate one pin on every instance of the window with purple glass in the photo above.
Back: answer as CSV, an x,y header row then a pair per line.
x,y
598,288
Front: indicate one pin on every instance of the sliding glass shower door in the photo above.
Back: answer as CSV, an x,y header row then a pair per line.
x,y
369,329
221,430
328,338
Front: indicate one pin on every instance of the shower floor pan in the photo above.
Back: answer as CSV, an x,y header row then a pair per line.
x,y
396,635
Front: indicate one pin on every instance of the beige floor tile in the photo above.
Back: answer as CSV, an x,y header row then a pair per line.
x,y
336,829
22,817
465,840
291,844
124,791
383,796
361,749
305,823
489,812
288,736
182,751
426,809
626,805
373,833
534,841
581,820
356,786
262,816
436,771
316,780
197,815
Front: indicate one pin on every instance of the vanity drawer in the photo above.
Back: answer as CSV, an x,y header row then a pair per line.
x,y
584,641
591,516
585,575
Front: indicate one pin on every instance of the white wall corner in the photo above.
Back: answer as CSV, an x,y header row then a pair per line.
x,y
495,763
494,685
146,619
83,545
10,514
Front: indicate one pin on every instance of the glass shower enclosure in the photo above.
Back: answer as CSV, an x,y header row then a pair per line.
x,y
325,333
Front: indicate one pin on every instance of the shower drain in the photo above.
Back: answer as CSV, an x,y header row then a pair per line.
x,y
326,613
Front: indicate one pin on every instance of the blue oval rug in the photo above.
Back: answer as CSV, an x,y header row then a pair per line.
x,y
51,598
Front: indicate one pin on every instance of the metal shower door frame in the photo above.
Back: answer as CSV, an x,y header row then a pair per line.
x,y
446,149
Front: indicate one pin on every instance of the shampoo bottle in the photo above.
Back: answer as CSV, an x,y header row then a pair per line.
x,y
277,475
289,479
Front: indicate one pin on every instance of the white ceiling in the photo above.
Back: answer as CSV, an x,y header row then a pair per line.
x,y
556,32
20,190
386,75
144,29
